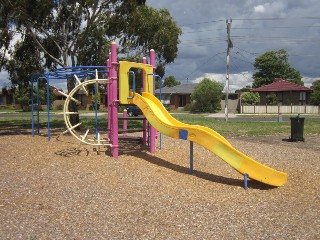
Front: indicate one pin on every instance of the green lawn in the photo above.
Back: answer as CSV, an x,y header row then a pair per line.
x,y
249,128
229,128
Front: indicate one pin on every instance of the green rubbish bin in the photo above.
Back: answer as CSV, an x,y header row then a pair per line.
x,y
297,124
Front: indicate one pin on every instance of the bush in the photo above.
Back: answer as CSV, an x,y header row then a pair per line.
x,y
187,107
250,98
272,99
207,96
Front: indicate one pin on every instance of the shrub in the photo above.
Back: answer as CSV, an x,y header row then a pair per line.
x,y
250,98
187,107
207,96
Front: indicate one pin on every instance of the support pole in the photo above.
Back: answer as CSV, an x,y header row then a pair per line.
x,y
191,157
48,107
245,176
38,103
125,122
109,99
96,108
32,109
144,123
153,131
114,103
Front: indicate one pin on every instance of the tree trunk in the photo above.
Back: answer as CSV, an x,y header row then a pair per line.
x,y
74,118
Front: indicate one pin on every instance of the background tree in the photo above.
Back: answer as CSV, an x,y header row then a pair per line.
x,y
144,29
244,89
170,82
274,64
78,32
250,98
315,95
207,96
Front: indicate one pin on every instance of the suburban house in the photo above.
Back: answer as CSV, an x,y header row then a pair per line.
x,y
287,93
177,96
86,101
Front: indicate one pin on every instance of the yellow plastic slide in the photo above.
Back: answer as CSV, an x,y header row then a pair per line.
x,y
160,119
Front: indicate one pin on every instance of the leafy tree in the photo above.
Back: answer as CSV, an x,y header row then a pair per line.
x,y
170,82
207,96
78,32
250,98
25,61
22,95
144,29
274,64
244,89
315,95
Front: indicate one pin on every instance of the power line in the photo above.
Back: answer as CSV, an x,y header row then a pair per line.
x,y
274,19
204,63
252,28
197,23
251,19
254,54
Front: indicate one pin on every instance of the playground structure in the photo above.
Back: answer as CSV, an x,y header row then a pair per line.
x,y
62,73
121,90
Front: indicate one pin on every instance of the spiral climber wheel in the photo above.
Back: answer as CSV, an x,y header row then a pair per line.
x,y
85,138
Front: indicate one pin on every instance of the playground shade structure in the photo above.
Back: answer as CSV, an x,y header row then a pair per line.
x,y
159,118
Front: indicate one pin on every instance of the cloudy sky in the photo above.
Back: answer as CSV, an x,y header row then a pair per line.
x,y
257,27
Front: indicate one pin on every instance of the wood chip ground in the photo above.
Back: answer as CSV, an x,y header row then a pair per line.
x,y
60,190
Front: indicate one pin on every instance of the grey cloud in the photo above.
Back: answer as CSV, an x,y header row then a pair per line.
x,y
258,26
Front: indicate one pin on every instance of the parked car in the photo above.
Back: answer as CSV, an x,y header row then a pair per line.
x,y
133,110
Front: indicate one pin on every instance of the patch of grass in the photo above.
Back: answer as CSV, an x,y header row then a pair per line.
x,y
249,128
225,128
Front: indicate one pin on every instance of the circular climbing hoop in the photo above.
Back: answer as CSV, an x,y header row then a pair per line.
x,y
96,140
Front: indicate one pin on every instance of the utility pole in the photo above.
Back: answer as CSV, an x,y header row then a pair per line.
x,y
230,45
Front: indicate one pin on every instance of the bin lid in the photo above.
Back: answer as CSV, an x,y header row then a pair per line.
x,y
298,116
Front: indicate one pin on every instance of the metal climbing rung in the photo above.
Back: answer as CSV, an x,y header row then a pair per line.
x,y
83,88
70,113
85,135
75,100
66,95
75,126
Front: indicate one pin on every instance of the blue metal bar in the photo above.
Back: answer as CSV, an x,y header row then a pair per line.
x,y
246,181
96,108
38,113
48,108
32,113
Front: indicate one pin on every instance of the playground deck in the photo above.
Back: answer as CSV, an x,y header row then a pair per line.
x,y
58,190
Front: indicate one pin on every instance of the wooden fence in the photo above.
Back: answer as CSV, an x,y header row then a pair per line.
x,y
283,109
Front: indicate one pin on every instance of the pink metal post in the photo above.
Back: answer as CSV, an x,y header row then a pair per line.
x,y
114,101
108,103
125,122
153,131
144,124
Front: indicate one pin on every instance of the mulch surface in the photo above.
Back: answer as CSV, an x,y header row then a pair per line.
x,y
63,190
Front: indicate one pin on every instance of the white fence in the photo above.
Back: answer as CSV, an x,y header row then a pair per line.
x,y
289,109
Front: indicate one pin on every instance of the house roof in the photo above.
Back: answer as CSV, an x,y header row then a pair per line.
x,y
280,85
181,89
